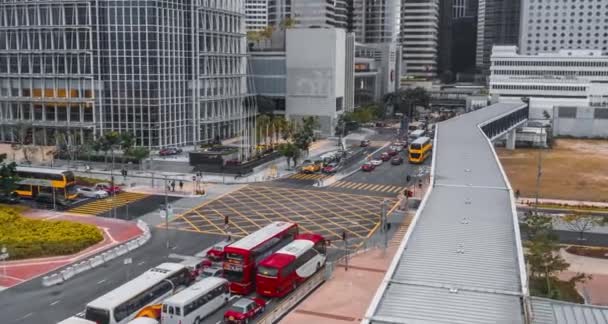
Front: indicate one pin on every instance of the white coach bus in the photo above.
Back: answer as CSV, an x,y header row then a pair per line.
x,y
196,302
120,305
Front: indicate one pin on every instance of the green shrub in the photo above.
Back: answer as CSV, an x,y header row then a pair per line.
x,y
34,238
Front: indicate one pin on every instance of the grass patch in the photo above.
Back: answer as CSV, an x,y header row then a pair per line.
x,y
561,290
593,252
33,238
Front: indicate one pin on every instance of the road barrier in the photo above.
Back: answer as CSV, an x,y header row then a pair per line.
x,y
96,261
51,280
294,298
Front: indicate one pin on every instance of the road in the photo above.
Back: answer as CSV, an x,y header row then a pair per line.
x,y
32,303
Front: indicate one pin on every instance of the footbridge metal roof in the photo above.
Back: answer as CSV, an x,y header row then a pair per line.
x,y
461,260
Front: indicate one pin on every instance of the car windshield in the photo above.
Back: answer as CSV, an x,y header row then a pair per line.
x,y
238,308
268,271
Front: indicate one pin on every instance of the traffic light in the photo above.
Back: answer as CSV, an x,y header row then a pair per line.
x,y
226,220
343,235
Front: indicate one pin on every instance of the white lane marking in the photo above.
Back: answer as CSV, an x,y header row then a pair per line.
x,y
55,302
101,281
25,316
219,322
141,263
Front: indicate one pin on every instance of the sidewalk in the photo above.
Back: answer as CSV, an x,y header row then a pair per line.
x,y
574,203
595,291
346,296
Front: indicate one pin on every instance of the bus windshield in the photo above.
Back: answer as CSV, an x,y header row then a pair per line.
x,y
415,146
233,275
268,272
415,155
234,256
99,316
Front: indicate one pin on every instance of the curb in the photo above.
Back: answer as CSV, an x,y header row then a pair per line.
x,y
96,261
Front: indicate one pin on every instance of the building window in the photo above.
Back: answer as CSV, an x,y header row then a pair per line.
x,y
567,112
600,113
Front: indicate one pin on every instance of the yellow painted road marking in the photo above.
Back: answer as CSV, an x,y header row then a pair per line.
x,y
384,188
189,222
208,220
338,184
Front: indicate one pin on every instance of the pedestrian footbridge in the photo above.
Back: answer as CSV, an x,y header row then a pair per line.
x,y
461,260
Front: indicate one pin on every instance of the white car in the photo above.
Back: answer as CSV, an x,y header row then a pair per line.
x,y
91,193
397,148
376,162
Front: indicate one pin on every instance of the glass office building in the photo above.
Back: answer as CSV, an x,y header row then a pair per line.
x,y
171,72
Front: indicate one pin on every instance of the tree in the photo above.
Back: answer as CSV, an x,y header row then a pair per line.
x,y
546,115
582,223
8,176
267,32
288,150
280,123
139,153
127,140
288,23
111,142
409,98
21,133
288,130
263,125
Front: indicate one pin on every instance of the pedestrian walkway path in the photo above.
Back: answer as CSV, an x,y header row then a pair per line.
x,y
367,186
309,176
100,206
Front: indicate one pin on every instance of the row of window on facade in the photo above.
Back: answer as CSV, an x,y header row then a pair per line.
x,y
46,112
563,62
59,14
45,39
546,73
537,87
571,112
47,64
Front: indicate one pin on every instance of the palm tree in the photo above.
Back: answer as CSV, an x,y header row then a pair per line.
x,y
263,122
280,123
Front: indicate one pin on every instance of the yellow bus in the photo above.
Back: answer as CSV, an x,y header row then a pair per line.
x,y
33,181
420,150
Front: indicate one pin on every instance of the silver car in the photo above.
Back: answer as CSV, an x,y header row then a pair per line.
x,y
91,193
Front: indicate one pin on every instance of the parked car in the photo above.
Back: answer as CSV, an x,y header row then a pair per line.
x,y
368,167
169,151
397,160
107,188
213,272
244,310
376,161
92,192
12,198
385,156
391,152
365,143
331,168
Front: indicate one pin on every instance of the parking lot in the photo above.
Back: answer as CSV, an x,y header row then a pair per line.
x,y
253,206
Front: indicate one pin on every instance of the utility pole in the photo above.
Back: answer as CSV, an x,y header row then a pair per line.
x,y
3,257
345,249
383,223
539,173
112,191
166,212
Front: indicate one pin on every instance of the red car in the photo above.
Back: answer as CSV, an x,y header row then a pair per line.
x,y
392,152
107,188
368,167
385,156
244,310
330,168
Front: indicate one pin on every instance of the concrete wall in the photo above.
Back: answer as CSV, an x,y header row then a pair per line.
x,y
584,125
315,73
540,104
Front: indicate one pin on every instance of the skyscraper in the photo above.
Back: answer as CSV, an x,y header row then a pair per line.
x,y
256,14
310,13
498,24
170,73
420,37
551,26
376,21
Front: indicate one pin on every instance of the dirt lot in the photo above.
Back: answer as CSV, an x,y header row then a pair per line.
x,y
572,169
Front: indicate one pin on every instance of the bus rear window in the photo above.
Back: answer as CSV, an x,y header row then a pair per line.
x,y
234,257
415,146
268,271
99,316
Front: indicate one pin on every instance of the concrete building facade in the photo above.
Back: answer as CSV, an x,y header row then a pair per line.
x,y
548,26
574,78
420,37
310,13
376,21
169,73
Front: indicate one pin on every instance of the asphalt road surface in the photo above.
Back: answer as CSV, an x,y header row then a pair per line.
x,y
32,303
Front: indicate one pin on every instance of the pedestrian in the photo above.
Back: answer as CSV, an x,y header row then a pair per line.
x,y
181,185
407,179
173,185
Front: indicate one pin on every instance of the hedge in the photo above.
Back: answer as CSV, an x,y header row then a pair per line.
x,y
34,238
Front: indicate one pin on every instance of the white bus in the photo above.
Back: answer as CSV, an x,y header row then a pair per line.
x,y
75,320
416,134
196,302
123,303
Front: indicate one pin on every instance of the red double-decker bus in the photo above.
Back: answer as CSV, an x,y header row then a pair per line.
x,y
243,256
281,272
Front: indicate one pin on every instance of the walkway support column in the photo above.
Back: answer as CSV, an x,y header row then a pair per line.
x,y
511,139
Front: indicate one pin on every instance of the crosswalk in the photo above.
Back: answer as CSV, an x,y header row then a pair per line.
x,y
100,206
304,176
368,186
